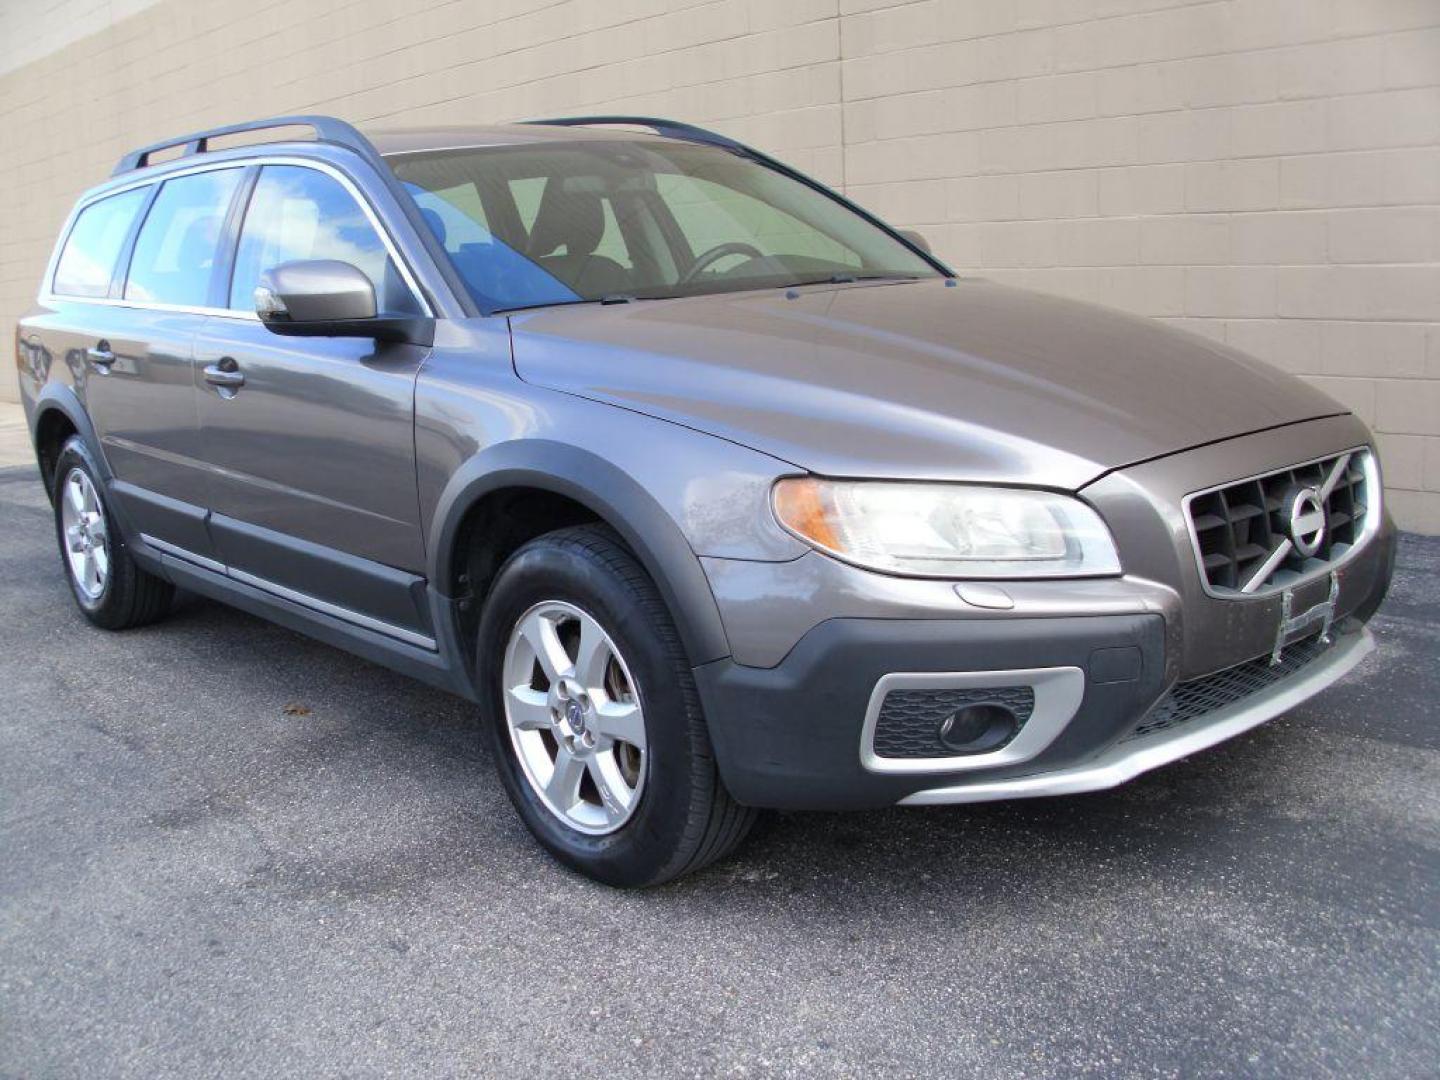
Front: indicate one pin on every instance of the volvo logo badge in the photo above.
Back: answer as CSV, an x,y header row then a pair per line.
x,y
575,717
1305,520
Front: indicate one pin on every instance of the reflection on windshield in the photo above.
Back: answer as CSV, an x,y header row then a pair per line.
x,y
597,219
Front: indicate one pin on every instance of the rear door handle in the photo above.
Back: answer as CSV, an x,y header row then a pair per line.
x,y
225,375
101,355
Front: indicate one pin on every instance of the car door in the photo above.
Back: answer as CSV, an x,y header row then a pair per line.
x,y
134,345
309,441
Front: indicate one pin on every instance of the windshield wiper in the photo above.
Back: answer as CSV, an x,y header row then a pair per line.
x,y
548,303
845,278
604,301
630,298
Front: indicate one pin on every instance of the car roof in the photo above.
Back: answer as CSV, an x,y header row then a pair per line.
x,y
414,140
384,142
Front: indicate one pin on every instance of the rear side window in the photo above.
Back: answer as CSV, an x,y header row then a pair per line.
x,y
87,262
300,213
179,242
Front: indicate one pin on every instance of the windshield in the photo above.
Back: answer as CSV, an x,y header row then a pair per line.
x,y
569,222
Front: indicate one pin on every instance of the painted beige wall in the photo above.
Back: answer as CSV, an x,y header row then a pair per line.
x,y
1263,171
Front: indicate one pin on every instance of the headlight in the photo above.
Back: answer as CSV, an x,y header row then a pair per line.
x,y
947,530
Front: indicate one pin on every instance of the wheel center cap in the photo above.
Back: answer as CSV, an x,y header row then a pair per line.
x,y
575,717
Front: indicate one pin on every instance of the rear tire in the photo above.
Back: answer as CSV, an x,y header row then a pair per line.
x,y
109,587
672,814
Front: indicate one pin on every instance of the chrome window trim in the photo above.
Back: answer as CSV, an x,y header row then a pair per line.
x,y
1374,512
49,296
284,592
1058,693
146,305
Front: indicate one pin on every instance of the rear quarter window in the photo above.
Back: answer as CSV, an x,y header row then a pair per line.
x,y
87,262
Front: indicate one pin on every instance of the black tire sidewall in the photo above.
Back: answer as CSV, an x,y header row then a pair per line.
x,y
645,846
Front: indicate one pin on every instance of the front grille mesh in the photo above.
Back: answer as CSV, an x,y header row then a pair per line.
x,y
909,722
1197,698
1238,526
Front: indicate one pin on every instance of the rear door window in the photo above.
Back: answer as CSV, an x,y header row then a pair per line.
x,y
177,247
87,262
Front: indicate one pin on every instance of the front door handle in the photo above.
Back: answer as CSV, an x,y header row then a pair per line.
x,y
225,375
101,355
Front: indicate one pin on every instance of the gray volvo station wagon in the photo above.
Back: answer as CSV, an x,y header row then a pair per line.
x,y
710,489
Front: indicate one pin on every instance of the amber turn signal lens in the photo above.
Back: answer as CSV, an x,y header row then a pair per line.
x,y
803,506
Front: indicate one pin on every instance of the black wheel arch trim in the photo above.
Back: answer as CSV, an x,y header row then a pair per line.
x,y
613,496
58,397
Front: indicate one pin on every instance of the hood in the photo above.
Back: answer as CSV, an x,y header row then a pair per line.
x,y
915,380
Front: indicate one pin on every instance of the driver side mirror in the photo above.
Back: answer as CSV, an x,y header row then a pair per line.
x,y
329,298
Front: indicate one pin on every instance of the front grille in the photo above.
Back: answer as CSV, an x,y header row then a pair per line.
x,y
909,722
1192,700
1238,528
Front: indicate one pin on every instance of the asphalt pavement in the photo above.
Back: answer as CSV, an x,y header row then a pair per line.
x,y
15,446
226,850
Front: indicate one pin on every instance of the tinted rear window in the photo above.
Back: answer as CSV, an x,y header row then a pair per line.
x,y
87,262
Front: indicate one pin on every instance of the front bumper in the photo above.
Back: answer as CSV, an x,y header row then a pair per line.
x,y
791,736
794,735
1128,759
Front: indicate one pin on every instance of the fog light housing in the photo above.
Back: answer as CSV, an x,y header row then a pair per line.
x,y
978,728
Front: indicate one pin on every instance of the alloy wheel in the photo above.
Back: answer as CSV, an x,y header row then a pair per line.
x,y
574,716
87,540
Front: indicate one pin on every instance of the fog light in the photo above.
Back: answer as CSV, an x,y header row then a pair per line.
x,y
978,728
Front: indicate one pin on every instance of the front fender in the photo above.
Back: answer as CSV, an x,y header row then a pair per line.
x,y
612,495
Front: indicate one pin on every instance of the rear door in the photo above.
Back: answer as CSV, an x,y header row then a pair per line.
x,y
135,350
311,458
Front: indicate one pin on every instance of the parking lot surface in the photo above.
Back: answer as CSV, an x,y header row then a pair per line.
x,y
227,850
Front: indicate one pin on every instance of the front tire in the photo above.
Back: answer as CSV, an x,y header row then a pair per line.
x,y
593,716
109,587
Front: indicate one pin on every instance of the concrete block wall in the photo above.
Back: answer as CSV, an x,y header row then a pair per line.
x,y
1266,172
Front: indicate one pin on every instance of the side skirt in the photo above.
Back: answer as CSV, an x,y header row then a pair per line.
x,y
443,666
